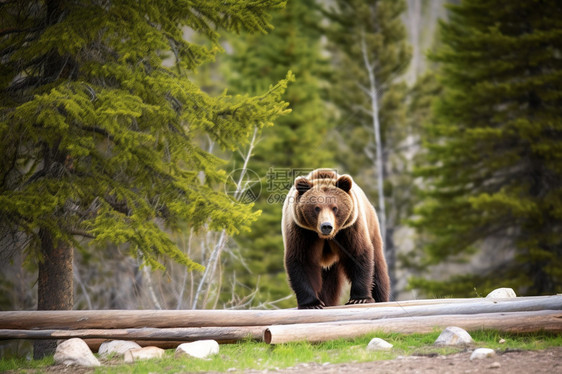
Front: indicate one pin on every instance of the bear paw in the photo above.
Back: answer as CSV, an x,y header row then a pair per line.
x,y
360,301
316,305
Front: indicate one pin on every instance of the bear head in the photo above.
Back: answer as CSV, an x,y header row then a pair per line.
x,y
323,205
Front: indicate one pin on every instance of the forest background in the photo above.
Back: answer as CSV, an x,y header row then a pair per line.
x,y
448,114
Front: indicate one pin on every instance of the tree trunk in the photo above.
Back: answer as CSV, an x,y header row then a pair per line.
x,y
380,163
54,284
372,92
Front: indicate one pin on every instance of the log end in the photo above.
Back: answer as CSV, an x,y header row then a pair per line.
x,y
267,336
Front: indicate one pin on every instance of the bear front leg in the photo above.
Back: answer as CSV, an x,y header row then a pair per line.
x,y
305,280
360,285
302,262
357,262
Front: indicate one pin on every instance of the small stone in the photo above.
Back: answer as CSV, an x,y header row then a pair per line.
x,y
118,347
481,353
454,336
198,349
495,365
501,341
146,353
378,344
75,351
501,293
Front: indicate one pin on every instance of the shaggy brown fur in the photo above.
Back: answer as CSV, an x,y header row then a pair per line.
x,y
331,233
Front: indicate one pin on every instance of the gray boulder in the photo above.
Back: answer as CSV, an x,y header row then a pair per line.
x,y
454,336
118,347
198,349
75,351
146,353
378,344
481,353
501,293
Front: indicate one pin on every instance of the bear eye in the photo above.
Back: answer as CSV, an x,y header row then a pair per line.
x,y
335,209
317,209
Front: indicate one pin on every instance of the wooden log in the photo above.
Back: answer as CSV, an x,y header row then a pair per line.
x,y
517,322
123,319
220,334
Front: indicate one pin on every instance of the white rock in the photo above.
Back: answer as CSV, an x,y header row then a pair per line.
x,y
495,365
118,347
75,351
481,353
454,336
145,353
501,293
378,344
199,349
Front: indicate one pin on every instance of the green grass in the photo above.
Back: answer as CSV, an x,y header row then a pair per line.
x,y
21,363
252,355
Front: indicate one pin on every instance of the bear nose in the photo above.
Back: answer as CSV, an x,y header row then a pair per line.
x,y
326,228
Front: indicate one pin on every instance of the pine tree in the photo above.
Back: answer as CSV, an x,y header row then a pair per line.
x,y
294,146
493,168
370,54
98,136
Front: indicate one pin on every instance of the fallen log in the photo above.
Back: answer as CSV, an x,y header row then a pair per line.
x,y
516,322
124,319
189,334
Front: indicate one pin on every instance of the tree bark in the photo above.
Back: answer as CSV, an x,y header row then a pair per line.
x,y
54,284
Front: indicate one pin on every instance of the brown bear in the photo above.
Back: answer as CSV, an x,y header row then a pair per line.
x,y
331,232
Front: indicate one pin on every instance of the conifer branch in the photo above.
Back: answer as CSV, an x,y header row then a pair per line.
x,y
92,113
99,131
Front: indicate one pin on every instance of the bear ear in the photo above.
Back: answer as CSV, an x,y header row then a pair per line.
x,y
302,185
344,182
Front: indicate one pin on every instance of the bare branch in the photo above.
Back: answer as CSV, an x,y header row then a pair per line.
x,y
215,255
151,292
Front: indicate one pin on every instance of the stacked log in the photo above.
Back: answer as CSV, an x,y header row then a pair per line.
x,y
161,327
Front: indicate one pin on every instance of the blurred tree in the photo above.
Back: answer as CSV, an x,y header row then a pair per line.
x,y
369,55
97,136
493,167
294,146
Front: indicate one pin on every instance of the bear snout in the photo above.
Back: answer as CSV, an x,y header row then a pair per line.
x,y
326,228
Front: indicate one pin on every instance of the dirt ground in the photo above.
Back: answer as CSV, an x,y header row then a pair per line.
x,y
513,362
547,361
